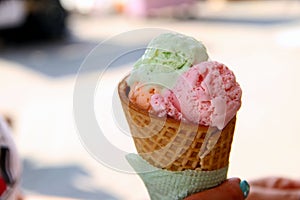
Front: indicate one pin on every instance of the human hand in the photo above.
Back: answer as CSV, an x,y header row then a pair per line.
x,y
275,188
229,190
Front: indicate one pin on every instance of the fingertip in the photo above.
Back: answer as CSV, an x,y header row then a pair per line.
x,y
234,180
240,187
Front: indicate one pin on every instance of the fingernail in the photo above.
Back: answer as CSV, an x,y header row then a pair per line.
x,y
245,187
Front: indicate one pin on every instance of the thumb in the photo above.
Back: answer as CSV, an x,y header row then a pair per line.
x,y
229,190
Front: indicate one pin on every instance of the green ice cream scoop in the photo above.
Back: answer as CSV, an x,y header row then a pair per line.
x,y
166,57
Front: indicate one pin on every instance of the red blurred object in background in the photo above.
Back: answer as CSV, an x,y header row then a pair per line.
x,y
2,186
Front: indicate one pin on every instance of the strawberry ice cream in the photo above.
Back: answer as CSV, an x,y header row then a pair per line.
x,y
206,94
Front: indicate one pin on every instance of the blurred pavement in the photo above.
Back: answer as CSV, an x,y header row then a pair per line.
x,y
37,82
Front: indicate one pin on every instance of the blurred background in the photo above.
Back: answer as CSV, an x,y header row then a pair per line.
x,y
44,42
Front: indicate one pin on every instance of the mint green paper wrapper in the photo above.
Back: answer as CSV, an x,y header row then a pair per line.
x,y
174,185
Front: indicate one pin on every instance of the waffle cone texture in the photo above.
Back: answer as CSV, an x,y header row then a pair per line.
x,y
174,145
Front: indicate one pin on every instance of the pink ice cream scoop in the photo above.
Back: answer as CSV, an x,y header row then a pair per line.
x,y
206,94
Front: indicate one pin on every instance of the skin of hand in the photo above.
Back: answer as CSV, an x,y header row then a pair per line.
x,y
229,190
274,188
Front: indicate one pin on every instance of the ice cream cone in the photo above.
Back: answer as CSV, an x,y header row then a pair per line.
x,y
170,144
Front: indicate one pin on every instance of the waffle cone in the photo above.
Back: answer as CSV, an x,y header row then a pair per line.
x,y
174,145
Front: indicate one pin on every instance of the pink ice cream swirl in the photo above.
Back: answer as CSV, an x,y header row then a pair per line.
x,y
206,94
